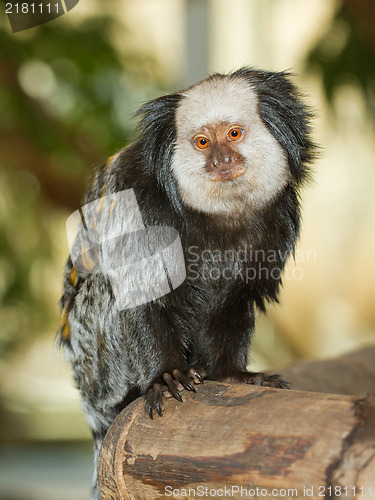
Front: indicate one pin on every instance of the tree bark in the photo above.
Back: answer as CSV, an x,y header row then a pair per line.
x,y
351,374
267,441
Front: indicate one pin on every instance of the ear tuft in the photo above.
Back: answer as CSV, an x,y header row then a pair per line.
x,y
287,117
157,138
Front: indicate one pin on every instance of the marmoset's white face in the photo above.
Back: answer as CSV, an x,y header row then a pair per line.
x,y
225,158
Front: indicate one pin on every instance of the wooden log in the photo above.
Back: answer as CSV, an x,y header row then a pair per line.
x,y
269,442
351,374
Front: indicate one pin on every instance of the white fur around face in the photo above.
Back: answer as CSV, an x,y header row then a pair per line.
x,y
232,101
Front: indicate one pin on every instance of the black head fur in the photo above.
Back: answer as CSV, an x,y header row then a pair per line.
x,y
286,116
156,143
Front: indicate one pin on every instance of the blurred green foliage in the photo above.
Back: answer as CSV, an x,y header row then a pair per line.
x,y
345,56
66,95
25,250
72,91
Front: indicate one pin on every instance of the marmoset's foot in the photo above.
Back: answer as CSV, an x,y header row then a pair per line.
x,y
170,384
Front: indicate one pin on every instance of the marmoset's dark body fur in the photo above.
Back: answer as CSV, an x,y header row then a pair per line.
x,y
203,328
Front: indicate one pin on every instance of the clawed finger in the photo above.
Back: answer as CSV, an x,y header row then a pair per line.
x,y
154,401
195,376
167,377
184,380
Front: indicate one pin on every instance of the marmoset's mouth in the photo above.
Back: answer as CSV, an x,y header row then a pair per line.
x,y
227,175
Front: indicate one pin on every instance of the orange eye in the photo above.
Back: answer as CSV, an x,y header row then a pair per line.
x,y
235,134
201,142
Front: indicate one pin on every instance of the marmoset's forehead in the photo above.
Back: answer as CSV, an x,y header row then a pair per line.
x,y
218,99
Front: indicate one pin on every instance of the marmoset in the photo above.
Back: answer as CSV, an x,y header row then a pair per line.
x,y
223,163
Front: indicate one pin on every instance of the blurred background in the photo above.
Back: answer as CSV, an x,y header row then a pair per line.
x,y
68,89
